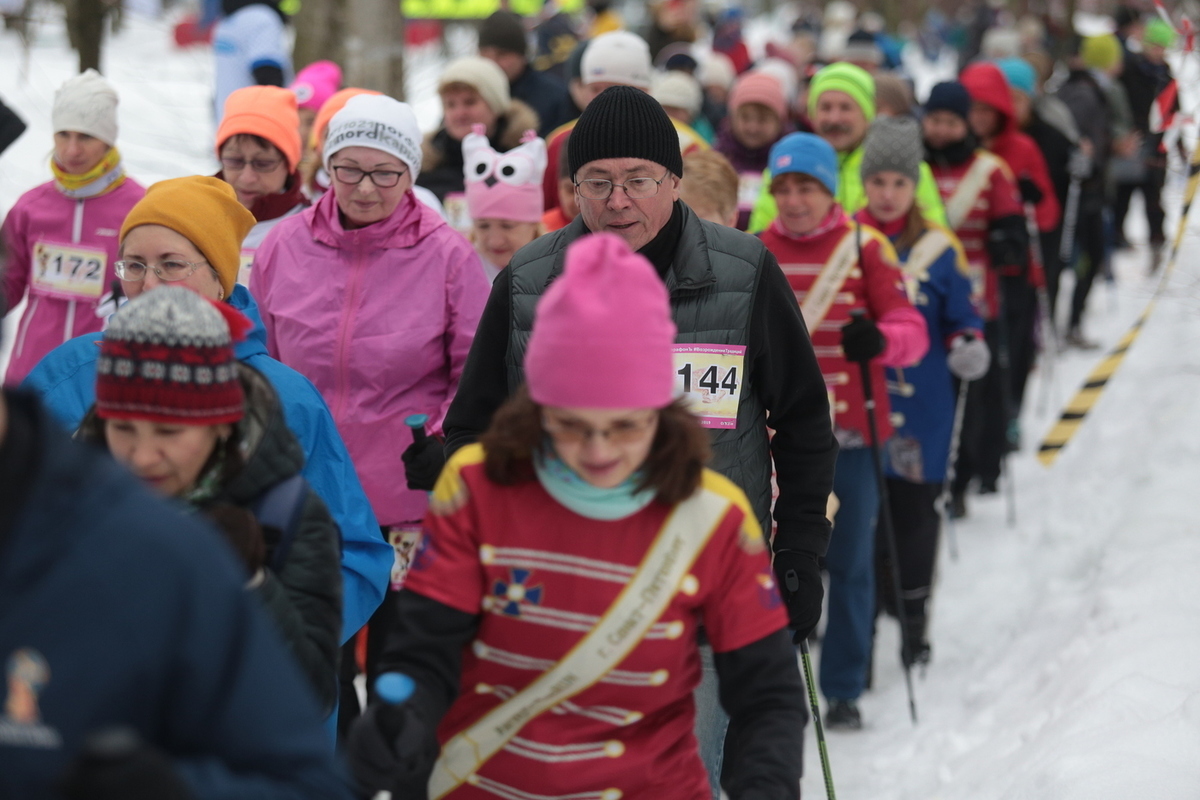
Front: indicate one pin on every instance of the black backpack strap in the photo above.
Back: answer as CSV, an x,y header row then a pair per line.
x,y
282,507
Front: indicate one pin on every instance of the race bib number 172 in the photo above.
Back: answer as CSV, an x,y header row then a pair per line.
x,y
68,272
710,377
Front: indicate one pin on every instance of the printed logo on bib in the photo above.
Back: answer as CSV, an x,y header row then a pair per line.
x,y
244,265
457,215
710,377
405,540
68,271
749,184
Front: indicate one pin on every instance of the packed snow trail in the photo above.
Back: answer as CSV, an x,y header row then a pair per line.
x,y
1064,649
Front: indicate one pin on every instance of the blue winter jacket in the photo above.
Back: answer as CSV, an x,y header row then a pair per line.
x,y
923,397
66,381
117,610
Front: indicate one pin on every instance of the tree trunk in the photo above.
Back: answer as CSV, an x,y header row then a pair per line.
x,y
85,26
320,32
374,45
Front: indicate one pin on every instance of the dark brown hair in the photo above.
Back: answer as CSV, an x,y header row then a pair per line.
x,y
914,227
672,469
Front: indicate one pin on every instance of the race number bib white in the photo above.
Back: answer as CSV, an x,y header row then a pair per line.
x,y
246,261
710,377
455,206
68,271
749,185
404,540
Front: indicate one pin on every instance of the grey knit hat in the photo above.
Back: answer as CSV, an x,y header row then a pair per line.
x,y
893,144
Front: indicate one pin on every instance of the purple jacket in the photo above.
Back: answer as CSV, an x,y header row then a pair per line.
x,y
380,319
61,251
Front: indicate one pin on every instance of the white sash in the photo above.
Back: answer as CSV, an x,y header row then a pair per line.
x,y
824,291
963,200
643,600
921,257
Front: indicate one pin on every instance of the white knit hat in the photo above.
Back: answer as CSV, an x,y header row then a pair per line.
x,y
677,89
379,122
618,57
484,76
717,70
88,104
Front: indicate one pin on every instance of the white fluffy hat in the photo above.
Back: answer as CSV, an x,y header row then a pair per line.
x,y
88,104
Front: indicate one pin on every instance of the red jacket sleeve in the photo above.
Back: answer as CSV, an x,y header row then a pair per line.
x,y
554,150
1004,199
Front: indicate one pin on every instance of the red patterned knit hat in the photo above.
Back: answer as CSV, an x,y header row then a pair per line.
x,y
167,356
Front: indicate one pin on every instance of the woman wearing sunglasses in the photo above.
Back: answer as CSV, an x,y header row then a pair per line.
x,y
375,299
258,143
550,620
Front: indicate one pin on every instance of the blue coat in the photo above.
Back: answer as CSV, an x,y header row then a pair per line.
x,y
923,397
116,610
66,381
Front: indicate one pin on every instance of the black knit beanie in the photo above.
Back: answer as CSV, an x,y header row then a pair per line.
x,y
624,122
504,31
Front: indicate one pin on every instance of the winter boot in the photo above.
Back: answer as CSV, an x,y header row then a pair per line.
x,y
1076,339
958,504
843,716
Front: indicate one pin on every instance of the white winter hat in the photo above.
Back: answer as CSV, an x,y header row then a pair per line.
x,y
88,104
379,122
618,57
484,76
717,70
678,90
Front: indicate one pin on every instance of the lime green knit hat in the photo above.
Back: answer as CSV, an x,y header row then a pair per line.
x,y
843,77
1159,32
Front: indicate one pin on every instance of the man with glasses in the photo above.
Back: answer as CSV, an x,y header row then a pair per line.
x,y
743,351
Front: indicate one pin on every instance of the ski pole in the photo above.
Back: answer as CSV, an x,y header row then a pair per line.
x,y
960,407
806,661
1050,348
885,521
417,423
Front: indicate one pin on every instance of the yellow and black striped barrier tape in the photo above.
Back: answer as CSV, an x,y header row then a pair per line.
x,y
1083,401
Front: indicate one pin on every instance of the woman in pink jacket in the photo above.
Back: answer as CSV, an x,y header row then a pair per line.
x,y
375,299
62,235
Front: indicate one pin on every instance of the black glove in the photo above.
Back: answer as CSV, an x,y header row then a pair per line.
x,y
423,462
800,585
115,764
1008,244
391,748
862,340
1030,193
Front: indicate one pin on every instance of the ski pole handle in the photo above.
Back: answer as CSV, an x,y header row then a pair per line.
x,y
417,423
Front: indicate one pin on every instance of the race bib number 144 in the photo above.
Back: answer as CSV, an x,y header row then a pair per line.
x,y
710,377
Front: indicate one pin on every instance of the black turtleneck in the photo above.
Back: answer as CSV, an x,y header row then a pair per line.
x,y
952,154
660,250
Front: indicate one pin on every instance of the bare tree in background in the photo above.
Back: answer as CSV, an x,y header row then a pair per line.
x,y
365,36
320,32
85,30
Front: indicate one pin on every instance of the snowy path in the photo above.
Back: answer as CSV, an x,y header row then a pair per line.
x,y
1065,649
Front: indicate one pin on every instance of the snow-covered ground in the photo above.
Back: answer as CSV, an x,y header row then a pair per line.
x,y
1065,648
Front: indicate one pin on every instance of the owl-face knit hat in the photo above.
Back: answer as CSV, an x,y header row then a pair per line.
x,y
167,356
623,122
504,185
87,104
893,144
602,333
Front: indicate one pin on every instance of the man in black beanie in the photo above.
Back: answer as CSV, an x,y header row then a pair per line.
x,y
727,292
502,39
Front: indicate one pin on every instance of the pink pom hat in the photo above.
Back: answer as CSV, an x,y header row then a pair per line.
x,y
602,333
316,83
504,185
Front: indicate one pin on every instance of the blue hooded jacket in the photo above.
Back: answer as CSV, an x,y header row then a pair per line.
x,y
66,382
118,610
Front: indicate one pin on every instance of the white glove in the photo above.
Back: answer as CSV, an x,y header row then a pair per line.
x,y
1080,165
969,358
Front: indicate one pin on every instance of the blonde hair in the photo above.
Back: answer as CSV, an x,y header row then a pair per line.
x,y
709,174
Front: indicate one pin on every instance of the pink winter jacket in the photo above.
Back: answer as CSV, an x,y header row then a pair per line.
x,y
381,320
56,247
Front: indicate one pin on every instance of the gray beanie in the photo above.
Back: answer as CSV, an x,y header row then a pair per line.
x,y
893,144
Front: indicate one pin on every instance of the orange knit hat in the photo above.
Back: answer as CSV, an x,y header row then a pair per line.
x,y
266,111
332,106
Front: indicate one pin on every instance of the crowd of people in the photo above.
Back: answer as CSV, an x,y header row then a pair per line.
x,y
568,409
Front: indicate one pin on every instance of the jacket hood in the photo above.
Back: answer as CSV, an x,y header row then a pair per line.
x,y
440,148
255,342
986,84
411,222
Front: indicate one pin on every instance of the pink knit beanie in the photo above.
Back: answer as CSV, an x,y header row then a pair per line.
x,y
602,334
316,83
761,88
504,185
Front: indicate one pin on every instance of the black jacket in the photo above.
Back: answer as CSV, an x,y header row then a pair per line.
x,y
139,616
11,127
547,95
789,382
305,596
